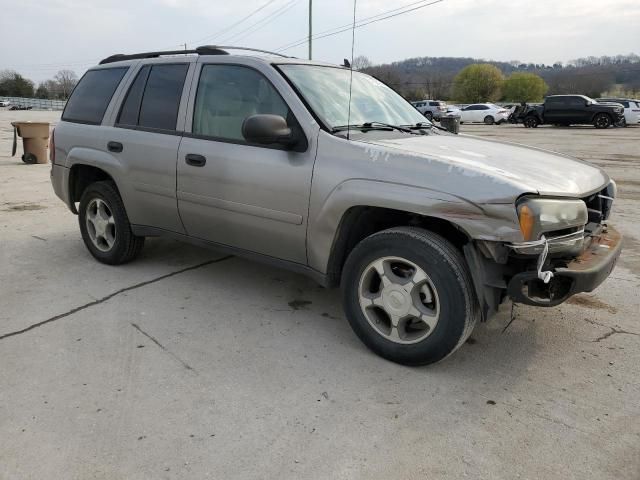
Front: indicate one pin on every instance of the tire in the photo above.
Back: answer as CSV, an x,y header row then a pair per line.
x,y
110,241
602,120
428,115
531,122
489,120
452,311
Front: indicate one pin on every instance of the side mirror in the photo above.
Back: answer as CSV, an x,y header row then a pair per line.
x,y
268,130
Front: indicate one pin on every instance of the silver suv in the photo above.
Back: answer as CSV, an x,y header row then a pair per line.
x,y
426,232
431,109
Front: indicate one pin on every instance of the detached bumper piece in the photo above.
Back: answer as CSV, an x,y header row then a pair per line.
x,y
582,274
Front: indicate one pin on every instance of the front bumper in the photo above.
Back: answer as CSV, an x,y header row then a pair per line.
x,y
584,273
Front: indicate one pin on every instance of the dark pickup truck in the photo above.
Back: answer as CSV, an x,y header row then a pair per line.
x,y
573,109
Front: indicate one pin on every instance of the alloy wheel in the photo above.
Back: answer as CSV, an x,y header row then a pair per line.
x,y
399,300
101,225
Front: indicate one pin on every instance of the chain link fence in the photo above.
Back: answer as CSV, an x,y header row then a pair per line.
x,y
34,103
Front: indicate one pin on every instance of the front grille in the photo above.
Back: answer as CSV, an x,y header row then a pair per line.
x,y
599,205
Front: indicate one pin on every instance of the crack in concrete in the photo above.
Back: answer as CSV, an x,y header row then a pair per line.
x,y
109,297
164,349
613,331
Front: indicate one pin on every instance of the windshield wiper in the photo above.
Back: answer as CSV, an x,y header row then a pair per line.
x,y
371,126
423,125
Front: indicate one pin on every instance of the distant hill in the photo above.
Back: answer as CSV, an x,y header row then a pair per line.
x,y
432,77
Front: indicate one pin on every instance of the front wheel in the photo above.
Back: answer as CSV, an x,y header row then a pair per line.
x,y
105,227
428,115
408,295
602,120
531,122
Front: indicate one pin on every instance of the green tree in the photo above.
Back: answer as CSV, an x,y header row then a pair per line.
x,y
524,87
42,91
12,84
478,82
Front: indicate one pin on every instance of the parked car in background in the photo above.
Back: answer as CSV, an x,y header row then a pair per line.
x,y
565,110
631,109
487,113
453,110
426,232
431,109
4,103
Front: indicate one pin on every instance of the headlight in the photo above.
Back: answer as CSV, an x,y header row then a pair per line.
x,y
539,216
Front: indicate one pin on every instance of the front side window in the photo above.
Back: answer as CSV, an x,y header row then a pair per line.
x,y
227,95
92,95
326,90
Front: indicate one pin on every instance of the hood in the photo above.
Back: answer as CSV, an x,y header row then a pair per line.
x,y
530,170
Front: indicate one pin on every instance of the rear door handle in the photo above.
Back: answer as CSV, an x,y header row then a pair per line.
x,y
114,147
195,160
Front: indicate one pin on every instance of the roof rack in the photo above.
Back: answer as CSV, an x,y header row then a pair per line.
x,y
203,50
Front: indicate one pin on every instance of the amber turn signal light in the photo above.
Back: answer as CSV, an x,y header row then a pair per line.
x,y
527,221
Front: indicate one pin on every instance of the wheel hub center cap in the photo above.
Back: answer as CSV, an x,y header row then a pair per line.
x,y
101,226
396,300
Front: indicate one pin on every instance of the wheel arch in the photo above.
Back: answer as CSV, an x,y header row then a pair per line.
x,y
81,175
361,221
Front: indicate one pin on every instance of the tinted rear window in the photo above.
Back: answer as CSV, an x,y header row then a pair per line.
x,y
131,106
161,99
92,95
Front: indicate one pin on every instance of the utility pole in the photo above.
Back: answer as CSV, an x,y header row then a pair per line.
x,y
185,45
310,26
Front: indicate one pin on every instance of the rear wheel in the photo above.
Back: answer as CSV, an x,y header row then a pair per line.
x,y
602,120
428,115
408,295
489,120
105,226
531,122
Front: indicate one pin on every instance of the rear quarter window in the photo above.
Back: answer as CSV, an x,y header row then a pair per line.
x,y
91,97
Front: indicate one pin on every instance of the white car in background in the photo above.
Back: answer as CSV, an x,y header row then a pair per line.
x,y
631,109
487,113
4,103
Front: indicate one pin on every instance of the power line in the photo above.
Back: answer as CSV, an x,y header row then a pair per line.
x,y
361,23
349,25
261,23
226,29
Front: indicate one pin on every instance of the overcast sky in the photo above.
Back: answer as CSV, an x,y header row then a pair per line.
x,y
40,37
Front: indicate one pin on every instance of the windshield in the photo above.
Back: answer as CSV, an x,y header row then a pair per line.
x,y
326,90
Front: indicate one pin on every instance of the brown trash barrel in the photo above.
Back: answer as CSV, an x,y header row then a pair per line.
x,y
35,139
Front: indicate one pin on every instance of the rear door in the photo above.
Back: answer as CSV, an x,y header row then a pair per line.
x,y
145,138
238,194
555,110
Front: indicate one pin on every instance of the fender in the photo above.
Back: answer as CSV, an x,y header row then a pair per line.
x,y
110,164
476,221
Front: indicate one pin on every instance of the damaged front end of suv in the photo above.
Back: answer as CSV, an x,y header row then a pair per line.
x,y
567,248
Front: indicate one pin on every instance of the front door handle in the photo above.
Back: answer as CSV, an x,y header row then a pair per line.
x,y
114,147
195,160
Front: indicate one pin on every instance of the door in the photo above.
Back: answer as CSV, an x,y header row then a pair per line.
x,y
578,111
556,110
145,139
234,193
467,113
